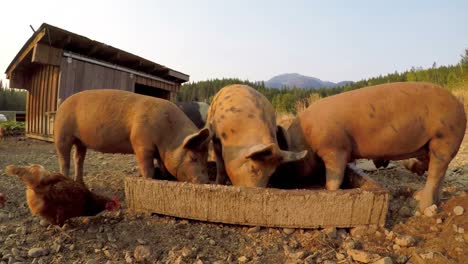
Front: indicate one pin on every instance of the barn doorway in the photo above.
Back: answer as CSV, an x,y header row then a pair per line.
x,y
152,91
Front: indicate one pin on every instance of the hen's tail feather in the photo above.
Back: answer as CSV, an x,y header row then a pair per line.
x,y
30,176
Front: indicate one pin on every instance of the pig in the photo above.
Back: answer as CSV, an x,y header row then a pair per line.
x,y
244,131
392,121
381,163
196,111
115,121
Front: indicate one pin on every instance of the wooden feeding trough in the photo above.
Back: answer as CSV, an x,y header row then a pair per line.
x,y
365,203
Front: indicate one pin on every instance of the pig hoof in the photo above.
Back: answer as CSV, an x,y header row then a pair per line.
x,y
333,186
425,200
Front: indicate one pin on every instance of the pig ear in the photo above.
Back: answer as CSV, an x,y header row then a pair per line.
x,y
282,137
260,152
291,156
198,139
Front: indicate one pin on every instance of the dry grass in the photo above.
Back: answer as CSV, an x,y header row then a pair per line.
x,y
284,119
461,92
301,105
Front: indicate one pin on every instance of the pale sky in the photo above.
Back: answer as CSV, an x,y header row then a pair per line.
x,y
255,40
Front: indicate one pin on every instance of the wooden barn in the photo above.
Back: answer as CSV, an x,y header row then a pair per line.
x,y
54,64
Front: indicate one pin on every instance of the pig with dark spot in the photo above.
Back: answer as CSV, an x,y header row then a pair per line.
x,y
114,121
196,111
244,126
410,119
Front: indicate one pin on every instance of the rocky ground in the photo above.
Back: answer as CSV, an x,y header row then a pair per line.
x,y
437,236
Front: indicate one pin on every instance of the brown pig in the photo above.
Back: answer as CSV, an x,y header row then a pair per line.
x,y
114,121
245,143
385,122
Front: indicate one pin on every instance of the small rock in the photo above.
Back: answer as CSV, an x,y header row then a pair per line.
x,y
439,221
430,211
455,228
211,242
405,241
142,253
461,230
259,251
384,260
107,254
459,238
429,255
434,228
254,229
390,235
15,252
327,261
56,247
330,232
351,244
128,257
342,233
405,211
141,241
359,231
417,213
458,210
396,247
37,252
340,256
111,238
310,259
71,247
242,259
188,252
43,223
93,229
288,231
362,256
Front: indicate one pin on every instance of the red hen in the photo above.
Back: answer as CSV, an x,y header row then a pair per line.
x,y
57,198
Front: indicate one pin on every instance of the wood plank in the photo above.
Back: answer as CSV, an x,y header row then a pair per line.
x,y
79,77
25,52
34,102
47,98
55,85
45,54
62,82
28,101
40,137
301,208
41,100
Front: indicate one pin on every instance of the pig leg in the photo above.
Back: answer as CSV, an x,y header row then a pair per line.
x,y
439,158
80,154
145,162
335,164
221,175
63,149
164,172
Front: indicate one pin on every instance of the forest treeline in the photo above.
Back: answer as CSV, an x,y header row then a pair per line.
x,y
12,99
285,99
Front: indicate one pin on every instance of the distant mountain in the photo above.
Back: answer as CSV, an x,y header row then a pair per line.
x,y
291,80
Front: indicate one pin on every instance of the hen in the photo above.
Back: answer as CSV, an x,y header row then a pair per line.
x,y
57,198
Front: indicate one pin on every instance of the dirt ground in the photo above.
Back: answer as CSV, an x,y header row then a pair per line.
x,y
124,237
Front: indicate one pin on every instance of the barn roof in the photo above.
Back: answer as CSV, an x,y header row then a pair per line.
x,y
71,42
